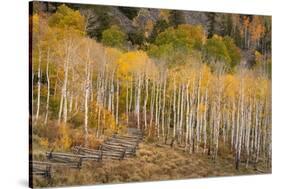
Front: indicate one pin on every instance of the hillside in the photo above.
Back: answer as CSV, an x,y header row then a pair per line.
x,y
140,22
194,87
152,163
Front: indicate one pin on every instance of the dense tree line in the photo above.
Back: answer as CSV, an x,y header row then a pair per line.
x,y
180,91
249,32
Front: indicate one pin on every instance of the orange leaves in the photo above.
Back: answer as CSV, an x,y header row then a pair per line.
x,y
246,21
245,25
257,28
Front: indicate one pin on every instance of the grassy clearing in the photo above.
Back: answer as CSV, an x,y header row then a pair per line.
x,y
152,163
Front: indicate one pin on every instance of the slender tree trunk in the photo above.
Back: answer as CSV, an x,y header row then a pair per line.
x,y
191,120
131,96
65,89
248,129
63,102
240,133
99,120
205,122
174,110
181,96
198,114
48,87
87,93
152,101
145,102
156,108
178,114
117,103
163,108
32,92
187,117
127,103
169,121
138,101
38,84
233,124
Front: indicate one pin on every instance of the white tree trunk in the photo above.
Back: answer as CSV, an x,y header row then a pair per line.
x,y
174,110
164,106
48,87
38,84
205,122
138,101
87,93
117,103
187,117
145,102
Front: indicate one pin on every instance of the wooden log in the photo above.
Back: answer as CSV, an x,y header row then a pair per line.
x,y
114,148
57,164
71,160
110,153
67,162
127,146
126,153
118,145
39,163
113,155
129,138
61,154
120,142
129,150
86,152
123,141
41,169
69,155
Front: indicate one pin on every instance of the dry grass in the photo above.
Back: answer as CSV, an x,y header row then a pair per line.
x,y
151,164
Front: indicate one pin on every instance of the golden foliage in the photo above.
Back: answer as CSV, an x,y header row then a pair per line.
x,y
107,119
44,143
231,86
135,62
64,141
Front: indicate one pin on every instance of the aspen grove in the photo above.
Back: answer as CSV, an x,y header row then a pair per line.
x,y
189,98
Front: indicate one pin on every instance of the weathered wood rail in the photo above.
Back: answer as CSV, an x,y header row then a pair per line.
x,y
70,160
86,151
117,147
42,169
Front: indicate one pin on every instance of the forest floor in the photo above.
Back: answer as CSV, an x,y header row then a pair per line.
x,y
152,163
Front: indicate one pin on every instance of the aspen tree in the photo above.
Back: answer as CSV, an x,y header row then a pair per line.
x,y
145,102
48,86
164,105
38,83
187,116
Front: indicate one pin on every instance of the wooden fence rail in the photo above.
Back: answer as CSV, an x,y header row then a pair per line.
x,y
42,169
116,147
